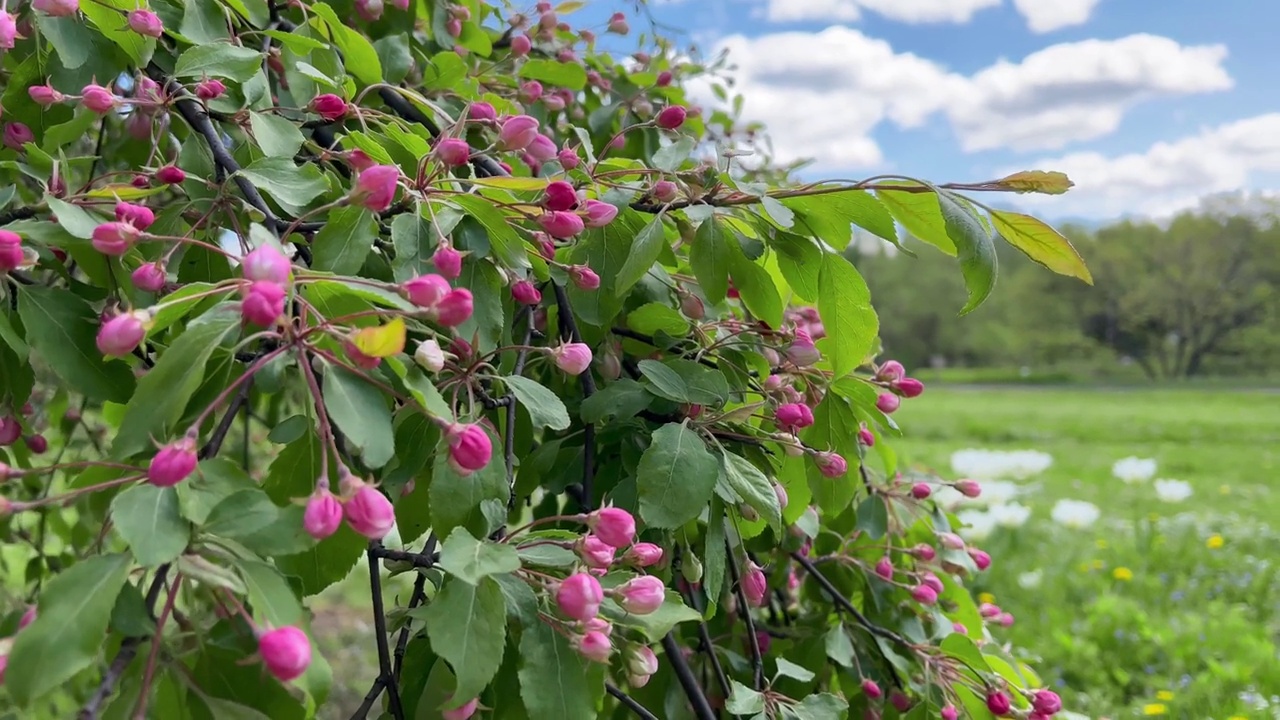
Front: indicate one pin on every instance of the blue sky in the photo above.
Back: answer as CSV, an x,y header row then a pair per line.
x,y
1148,105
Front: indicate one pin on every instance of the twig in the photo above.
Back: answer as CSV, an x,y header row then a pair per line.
x,y
753,642
697,698
569,330
629,702
220,432
417,598
125,655
710,649
509,436
847,606
425,559
385,671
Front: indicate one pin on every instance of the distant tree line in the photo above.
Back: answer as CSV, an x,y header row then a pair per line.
x,y
1197,295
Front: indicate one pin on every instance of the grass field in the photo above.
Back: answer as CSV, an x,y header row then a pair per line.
x,y
1159,608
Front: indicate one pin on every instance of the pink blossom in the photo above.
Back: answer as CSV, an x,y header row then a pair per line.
x,y
600,213
521,45
998,703
618,24
921,490
671,117
579,596
453,151
871,689
642,595
455,308
613,525
642,663
171,175
1046,702
210,89
139,216
866,437
17,134
909,387
562,225
887,403
830,464
692,307
664,78
329,106
643,555
665,191
802,351
542,149
57,8
884,568
114,238
924,595
119,335
263,304
754,586
559,196
429,355
266,263
470,448
45,95
323,514
793,417
173,463
530,91
425,291
447,261
366,509
968,488
584,277
369,10
950,713
145,22
595,552
375,188
526,293
890,371
981,558
481,111
285,651
149,277
517,132
97,98
8,30
567,158
462,712
595,646
572,358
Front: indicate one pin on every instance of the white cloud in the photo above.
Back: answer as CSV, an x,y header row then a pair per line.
x,y
1048,15
906,11
1169,176
822,94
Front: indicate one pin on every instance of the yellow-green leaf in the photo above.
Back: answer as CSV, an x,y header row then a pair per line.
x,y
1041,243
383,341
512,183
1037,181
920,215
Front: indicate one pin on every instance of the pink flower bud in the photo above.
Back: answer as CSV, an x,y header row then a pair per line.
x,y
285,651
567,158
263,304
584,277
618,24
951,541
899,701
323,514
114,238
139,216
98,99
530,91
8,30
425,291
884,568
989,611
447,261
613,525
572,358
793,417
453,26
210,89
579,597
871,689
173,463
267,264
462,712
367,510
329,106
37,444
17,134
671,117
665,191
521,45
29,617
12,255
968,488
1046,702
57,8
959,628
526,293
600,213
692,307
890,371
595,552
887,403
830,464
171,175
998,703
145,22
542,149
980,558
924,595
932,581
149,277
866,437
119,335
1005,619
562,225
470,448
642,595
754,585
909,387
375,188
429,355
559,196
595,646
517,132
949,712
641,664
10,431
921,490
802,351
664,78
45,95
481,111
453,151
455,308
781,493
643,555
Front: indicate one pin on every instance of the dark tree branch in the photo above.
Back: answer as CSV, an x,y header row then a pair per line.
x,y
692,689
417,598
569,330
124,656
629,702
386,674
753,642
20,213
710,649
220,432
425,559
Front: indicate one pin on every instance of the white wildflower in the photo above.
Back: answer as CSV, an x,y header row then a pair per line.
x,y
1011,515
1134,469
1075,514
977,525
1172,491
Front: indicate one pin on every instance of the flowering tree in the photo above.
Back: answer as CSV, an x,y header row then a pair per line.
x,y
280,278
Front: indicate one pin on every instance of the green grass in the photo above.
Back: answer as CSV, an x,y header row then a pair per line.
x,y
1195,626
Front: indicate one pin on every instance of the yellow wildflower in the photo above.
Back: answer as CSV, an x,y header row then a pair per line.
x,y
1155,709
1226,490
1164,695
986,598
1153,517
1122,573
1097,564
1100,544
1237,717
1214,542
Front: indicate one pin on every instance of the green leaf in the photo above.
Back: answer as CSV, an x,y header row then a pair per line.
x,y
800,261
62,328
652,318
556,681
467,625
344,242
69,631
714,556
73,218
646,249
458,501
360,411
471,560
604,250
786,668
831,216
835,427
1041,243
821,706
395,56
412,237
241,514
676,477
758,290
545,409
780,214
163,393
962,648
149,519
216,480
270,595
685,381
276,136
77,128
838,646
669,157
506,244
293,186
709,260
71,38
920,214
844,303
743,700
976,248
359,56
222,60
753,487
623,397
873,517
203,22
110,18
570,75
658,623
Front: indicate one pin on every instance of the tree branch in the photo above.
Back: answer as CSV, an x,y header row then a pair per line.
x,y
569,330
629,702
692,689
124,656
753,642
847,606
386,674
